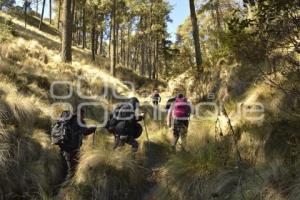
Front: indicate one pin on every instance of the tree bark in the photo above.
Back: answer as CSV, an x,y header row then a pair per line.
x,y
50,11
42,16
101,42
117,42
73,9
59,12
66,53
128,45
143,49
25,12
36,7
83,27
93,35
113,41
198,54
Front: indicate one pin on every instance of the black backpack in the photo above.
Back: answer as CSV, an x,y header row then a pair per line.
x,y
112,120
61,131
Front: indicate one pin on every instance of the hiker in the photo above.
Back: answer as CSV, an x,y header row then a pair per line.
x,y
123,123
156,99
178,117
68,133
169,104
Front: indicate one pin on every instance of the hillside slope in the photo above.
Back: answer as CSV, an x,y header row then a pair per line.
x,y
208,168
30,165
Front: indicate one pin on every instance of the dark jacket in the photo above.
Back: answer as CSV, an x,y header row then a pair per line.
x,y
123,119
77,134
169,103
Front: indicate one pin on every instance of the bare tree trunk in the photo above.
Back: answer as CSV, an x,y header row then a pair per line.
x,y
117,43
143,49
93,34
73,9
128,45
113,40
66,53
155,61
83,28
96,42
50,11
196,37
36,7
59,11
74,25
110,36
25,12
42,16
101,41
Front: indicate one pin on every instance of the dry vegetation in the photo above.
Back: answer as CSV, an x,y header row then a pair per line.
x,y
30,167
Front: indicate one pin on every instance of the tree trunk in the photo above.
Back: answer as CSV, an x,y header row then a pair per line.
x,y
128,45
93,35
59,11
155,61
36,7
25,13
50,11
117,43
96,42
110,36
73,13
143,48
73,9
66,52
83,28
196,37
101,41
42,16
113,41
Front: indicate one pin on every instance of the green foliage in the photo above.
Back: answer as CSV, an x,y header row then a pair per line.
x,y
271,25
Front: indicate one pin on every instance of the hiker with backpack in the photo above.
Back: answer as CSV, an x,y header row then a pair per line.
x,y
178,118
123,123
169,104
68,133
156,99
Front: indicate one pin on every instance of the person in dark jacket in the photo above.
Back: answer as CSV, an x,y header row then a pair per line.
x,y
124,124
71,148
156,99
169,103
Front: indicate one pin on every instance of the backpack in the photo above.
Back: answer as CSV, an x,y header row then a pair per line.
x,y
112,120
169,103
61,131
156,97
181,108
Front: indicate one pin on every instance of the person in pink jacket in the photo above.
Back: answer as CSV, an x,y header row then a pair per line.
x,y
178,117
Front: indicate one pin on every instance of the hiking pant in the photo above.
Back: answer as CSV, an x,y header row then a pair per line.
x,y
122,140
155,103
70,159
180,128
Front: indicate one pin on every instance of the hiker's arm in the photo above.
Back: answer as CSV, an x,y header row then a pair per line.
x,y
140,117
89,130
169,116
